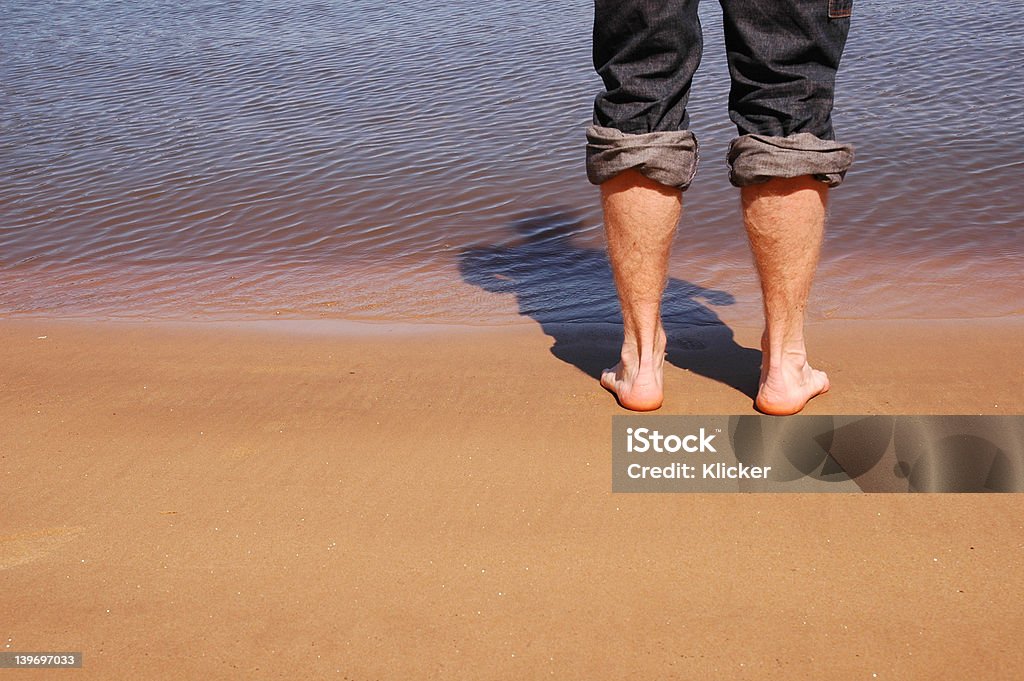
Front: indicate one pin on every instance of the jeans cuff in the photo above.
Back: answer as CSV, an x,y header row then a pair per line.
x,y
669,158
754,159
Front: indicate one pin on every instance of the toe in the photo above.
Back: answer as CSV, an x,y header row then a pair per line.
x,y
823,382
608,379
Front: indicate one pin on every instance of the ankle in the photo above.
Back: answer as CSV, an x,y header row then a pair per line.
x,y
789,350
648,351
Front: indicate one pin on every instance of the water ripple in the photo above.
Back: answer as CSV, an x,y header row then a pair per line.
x,y
369,159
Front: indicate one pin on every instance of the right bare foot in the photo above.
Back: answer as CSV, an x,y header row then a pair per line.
x,y
636,381
788,385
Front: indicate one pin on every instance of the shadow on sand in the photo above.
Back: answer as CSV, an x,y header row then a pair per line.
x,y
570,292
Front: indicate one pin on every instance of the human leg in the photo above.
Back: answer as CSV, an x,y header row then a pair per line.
x,y
783,58
784,218
640,223
641,154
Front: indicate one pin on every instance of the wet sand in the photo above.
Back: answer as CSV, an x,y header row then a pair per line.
x,y
328,500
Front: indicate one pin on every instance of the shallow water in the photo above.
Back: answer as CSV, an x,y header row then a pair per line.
x,y
380,160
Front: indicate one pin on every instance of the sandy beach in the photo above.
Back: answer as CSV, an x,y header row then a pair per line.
x,y
313,491
357,501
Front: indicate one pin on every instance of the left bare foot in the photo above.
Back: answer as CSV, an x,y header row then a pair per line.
x,y
787,387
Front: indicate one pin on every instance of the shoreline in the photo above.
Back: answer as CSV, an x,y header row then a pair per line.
x,y
518,321
468,294
876,367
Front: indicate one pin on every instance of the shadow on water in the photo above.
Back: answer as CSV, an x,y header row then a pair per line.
x,y
570,292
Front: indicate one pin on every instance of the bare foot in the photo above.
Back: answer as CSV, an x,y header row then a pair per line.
x,y
787,388
637,381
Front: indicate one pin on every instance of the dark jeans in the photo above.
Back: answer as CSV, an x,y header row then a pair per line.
x,y
783,56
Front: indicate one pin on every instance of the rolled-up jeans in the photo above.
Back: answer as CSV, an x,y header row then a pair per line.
x,y
783,56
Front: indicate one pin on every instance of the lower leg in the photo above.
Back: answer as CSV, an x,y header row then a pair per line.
x,y
785,220
640,223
